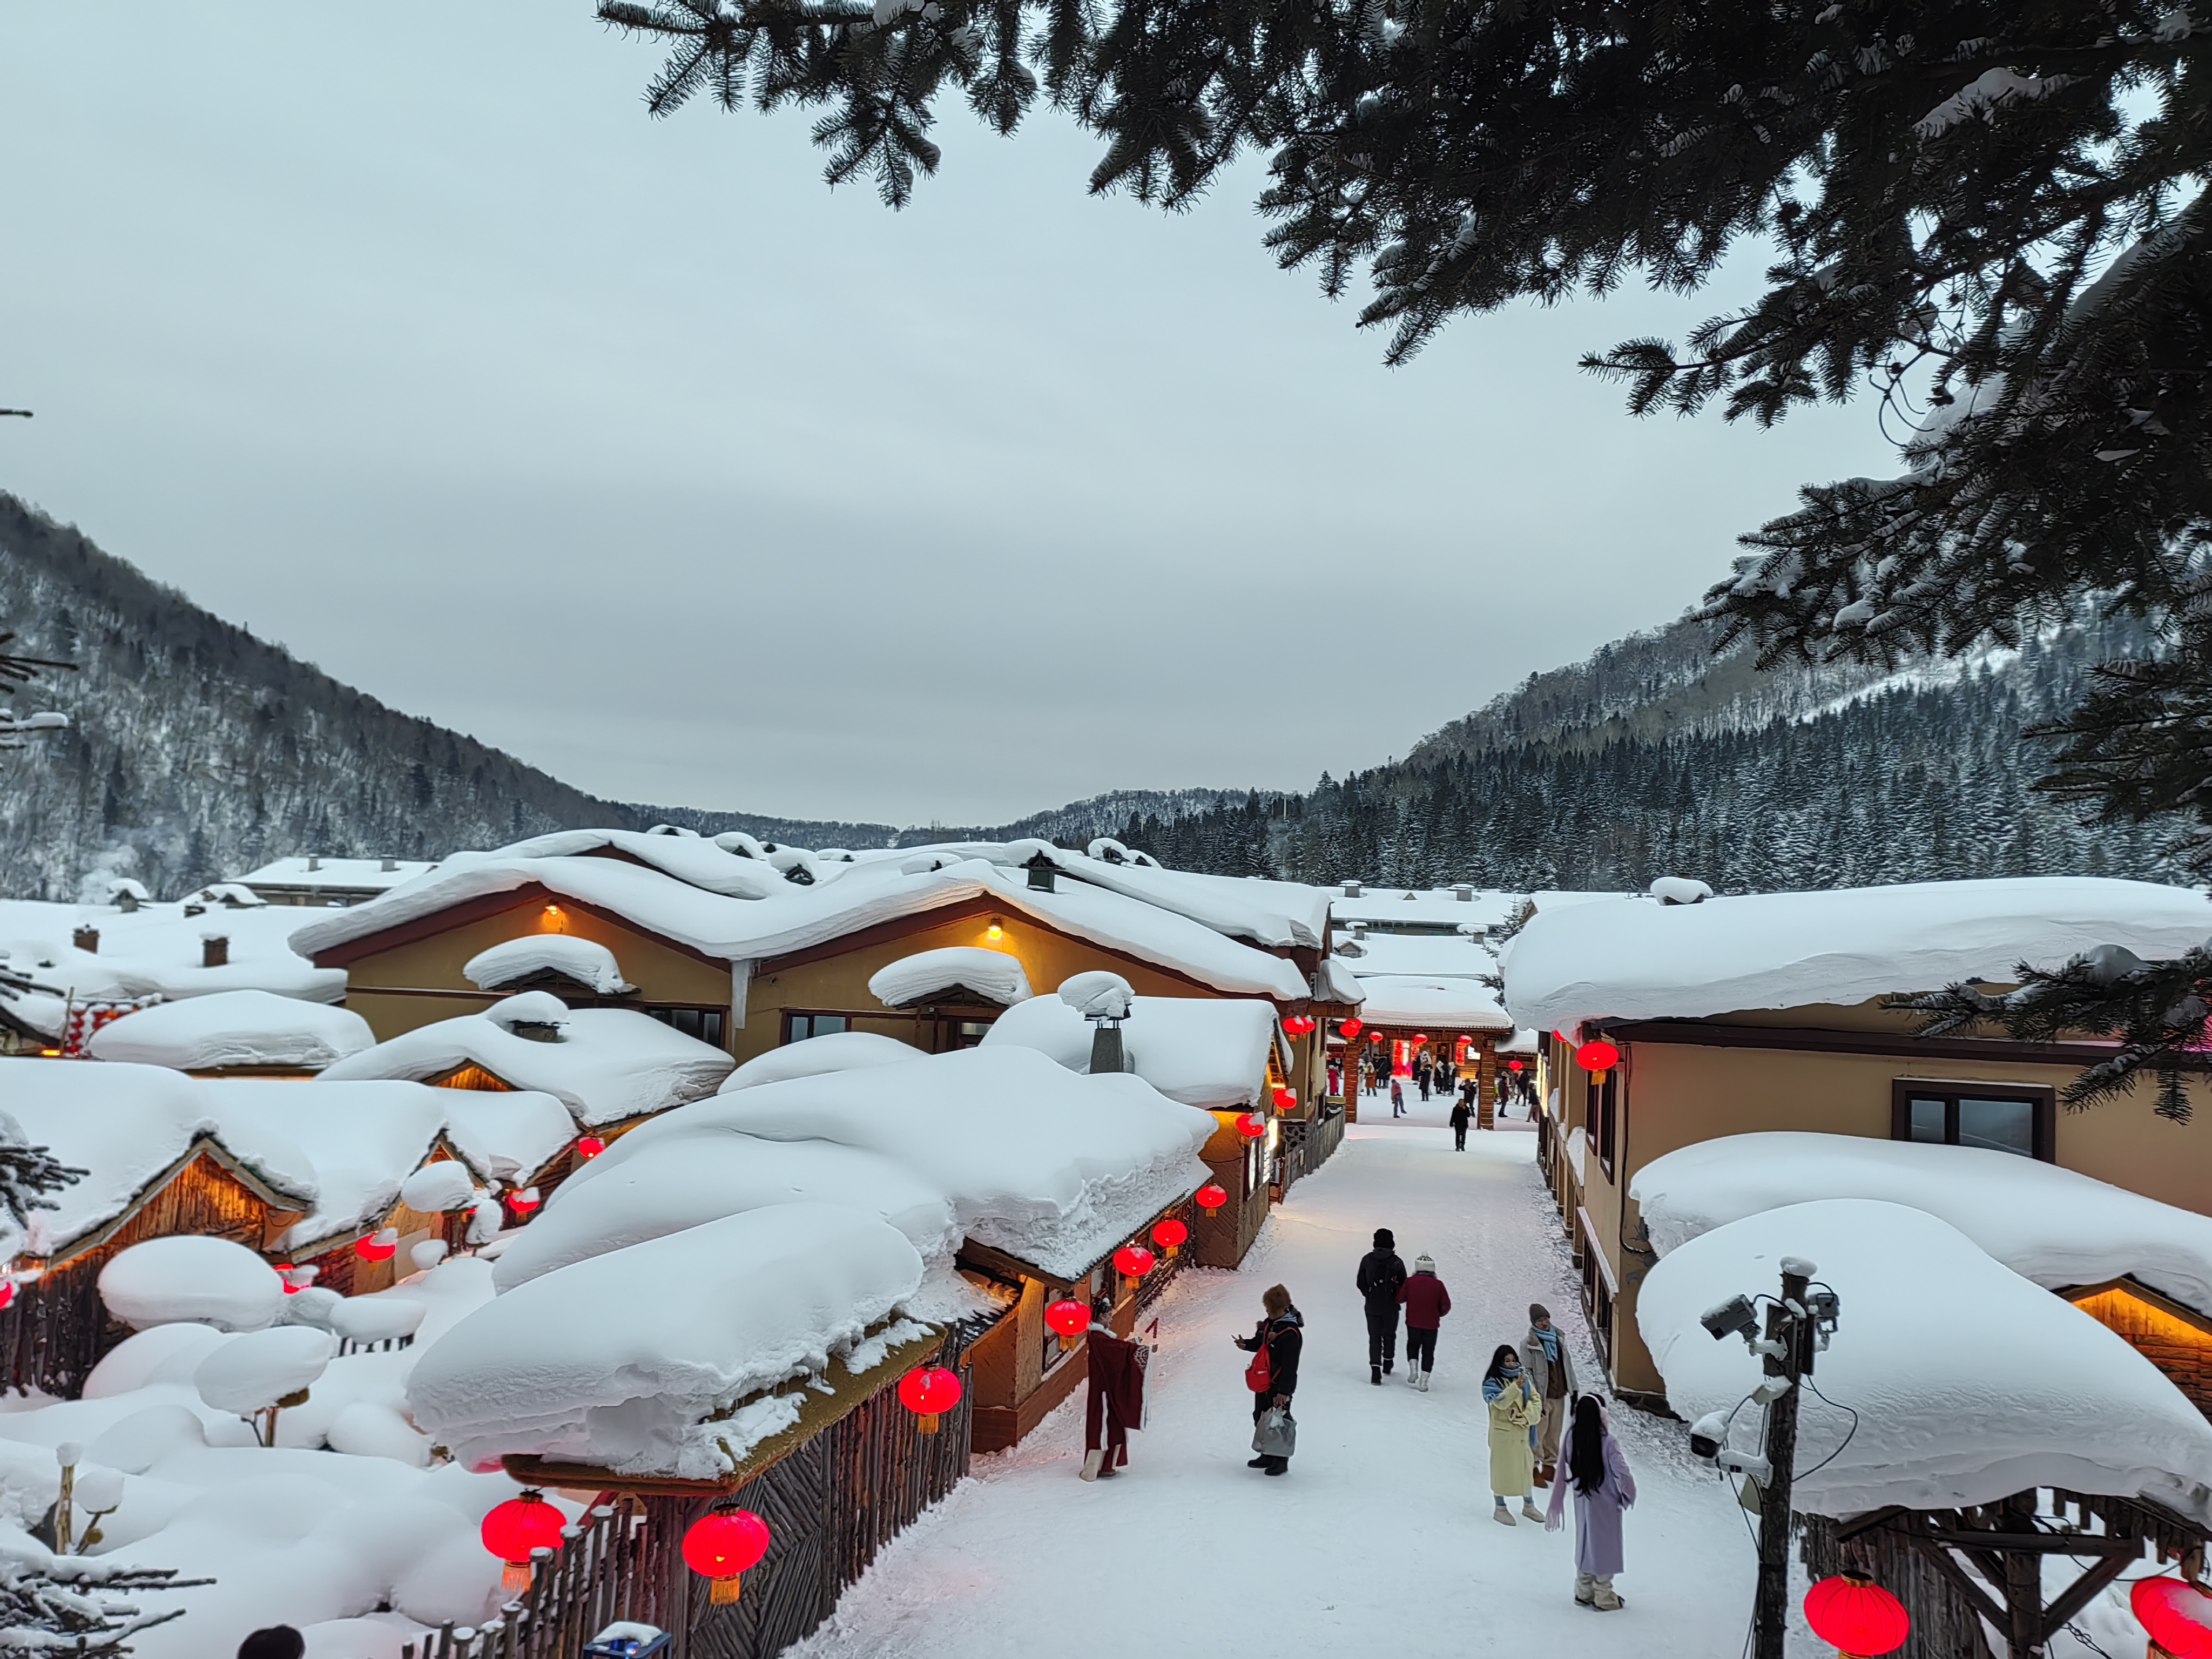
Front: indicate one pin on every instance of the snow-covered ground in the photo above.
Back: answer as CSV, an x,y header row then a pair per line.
x,y
1380,1540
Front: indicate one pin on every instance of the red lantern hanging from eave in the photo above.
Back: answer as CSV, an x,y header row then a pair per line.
x,y
590,1147
378,1247
1133,1261
512,1530
1251,1125
1170,1235
292,1286
929,1393
1286,1100
7,1293
524,1202
1419,1038
1352,1027
722,1544
1597,1057
1513,1064
1068,1320
2175,1614
1856,1616
1211,1197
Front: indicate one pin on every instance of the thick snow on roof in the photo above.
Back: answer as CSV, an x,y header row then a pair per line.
x,y
587,962
350,873
1430,907
153,951
851,897
1969,1382
234,1028
609,1064
1428,957
1205,1051
1451,1004
834,1051
621,1361
994,974
1638,959
2058,1228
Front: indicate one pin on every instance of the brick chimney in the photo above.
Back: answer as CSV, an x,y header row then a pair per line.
x,y
87,939
215,950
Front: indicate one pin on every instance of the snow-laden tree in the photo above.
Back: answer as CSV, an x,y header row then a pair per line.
x,y
16,671
74,1603
28,1173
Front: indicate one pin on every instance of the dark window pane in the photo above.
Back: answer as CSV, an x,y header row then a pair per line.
x,y
1928,1120
2003,1125
826,1024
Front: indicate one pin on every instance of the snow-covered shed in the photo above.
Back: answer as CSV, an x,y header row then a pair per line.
x,y
1736,1014
235,1031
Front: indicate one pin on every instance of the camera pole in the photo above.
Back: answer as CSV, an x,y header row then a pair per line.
x,y
1788,1353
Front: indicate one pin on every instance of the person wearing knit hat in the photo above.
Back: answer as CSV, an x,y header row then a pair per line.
x,y
1426,1302
1382,1271
1551,1372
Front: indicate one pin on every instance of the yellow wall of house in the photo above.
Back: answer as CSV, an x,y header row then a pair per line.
x,y
660,972
1678,1095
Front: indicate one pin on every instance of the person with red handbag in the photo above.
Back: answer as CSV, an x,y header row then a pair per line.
x,y
1272,1378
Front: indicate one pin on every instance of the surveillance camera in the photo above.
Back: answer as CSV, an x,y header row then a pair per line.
x,y
1826,1307
1707,1433
1734,1317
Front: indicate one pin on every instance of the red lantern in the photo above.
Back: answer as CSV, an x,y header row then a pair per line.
x,y
1068,1321
1286,1100
1352,1027
1170,1235
723,1544
1857,1616
1133,1261
378,1247
284,1271
2176,1614
524,1202
514,1528
1419,1037
1598,1059
1375,1037
1251,1125
1513,1064
7,1293
590,1147
1211,1197
929,1393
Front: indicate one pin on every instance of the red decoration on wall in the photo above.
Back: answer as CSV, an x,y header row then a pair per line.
x,y
512,1530
2176,1614
1133,1261
929,1393
1171,1234
589,1146
1598,1059
1251,1125
1857,1616
720,1545
1067,1320
1211,1197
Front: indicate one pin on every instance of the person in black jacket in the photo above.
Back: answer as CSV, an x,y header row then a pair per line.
x,y
1459,1116
1281,1334
1381,1273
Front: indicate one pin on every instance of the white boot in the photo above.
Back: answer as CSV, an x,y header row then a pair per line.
x,y
1503,1516
1092,1460
1528,1509
1607,1600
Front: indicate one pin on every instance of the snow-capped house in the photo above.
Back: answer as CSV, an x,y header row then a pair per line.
x,y
234,1033
1736,1014
323,882
1427,990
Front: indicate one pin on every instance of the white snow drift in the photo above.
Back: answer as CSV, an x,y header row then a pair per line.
x,y
994,974
587,962
231,1028
1208,1052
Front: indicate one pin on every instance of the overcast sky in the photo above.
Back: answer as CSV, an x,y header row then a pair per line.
x,y
402,335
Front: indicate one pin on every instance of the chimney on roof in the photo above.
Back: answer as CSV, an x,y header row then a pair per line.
x,y
1041,871
1352,891
1463,893
389,865
314,862
215,950
87,939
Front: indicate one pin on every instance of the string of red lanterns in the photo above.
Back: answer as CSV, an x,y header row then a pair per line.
x,y
1301,1024
722,1544
2176,1615
1857,1617
929,1393
512,1530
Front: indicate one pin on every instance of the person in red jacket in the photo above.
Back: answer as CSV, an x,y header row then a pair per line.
x,y
1426,1302
1116,1386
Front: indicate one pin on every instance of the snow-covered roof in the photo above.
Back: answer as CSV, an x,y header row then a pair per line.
x,y
996,974
1203,1051
2059,1228
833,1051
1634,958
155,950
606,1065
735,908
1431,957
360,1144
1426,907
345,874
1964,1381
234,1028
1447,1004
586,962
633,1360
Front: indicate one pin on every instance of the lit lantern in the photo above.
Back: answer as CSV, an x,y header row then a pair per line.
x,y
2176,1614
514,1528
590,1147
1375,1037
1211,1197
553,920
1068,1321
1352,1027
1598,1059
1286,1100
7,1293
378,1247
1170,1235
524,1202
1251,1125
1133,1261
1856,1616
929,1393
1513,1064
1419,1037
720,1545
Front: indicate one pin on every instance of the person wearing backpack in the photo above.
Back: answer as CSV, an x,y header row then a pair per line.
x,y
1382,1271
1273,1376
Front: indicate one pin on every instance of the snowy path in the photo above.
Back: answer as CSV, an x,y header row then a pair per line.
x,y
1380,1540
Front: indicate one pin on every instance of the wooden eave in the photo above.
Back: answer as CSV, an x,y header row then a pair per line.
x,y
483,907
200,1144
1903,1045
1004,1265
817,1411
2142,1292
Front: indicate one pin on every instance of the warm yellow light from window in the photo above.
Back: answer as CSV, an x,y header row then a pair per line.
x,y
554,921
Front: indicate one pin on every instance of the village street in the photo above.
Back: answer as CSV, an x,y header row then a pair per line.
x,y
1379,1541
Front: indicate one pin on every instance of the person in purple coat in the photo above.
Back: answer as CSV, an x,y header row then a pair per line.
x,y
1603,1489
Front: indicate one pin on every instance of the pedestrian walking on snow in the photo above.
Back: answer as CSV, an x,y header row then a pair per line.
x,y
1422,1073
1426,1302
1381,1273
1397,1096
1551,1371
1515,1408
1273,1376
1115,1380
1459,1118
1603,1489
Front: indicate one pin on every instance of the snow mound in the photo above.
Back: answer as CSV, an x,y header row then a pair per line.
x,y
1448,1002
623,1361
192,1279
234,1028
1202,1051
1098,995
252,1372
1970,1382
586,962
445,1185
2054,1226
840,1051
993,975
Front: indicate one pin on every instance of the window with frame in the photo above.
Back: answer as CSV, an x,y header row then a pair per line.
x,y
797,1028
704,1023
1604,1117
2000,1117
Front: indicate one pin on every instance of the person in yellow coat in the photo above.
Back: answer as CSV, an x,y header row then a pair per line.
x,y
1515,1408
